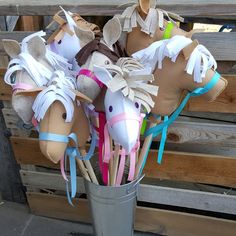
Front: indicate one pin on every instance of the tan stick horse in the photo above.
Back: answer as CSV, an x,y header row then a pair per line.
x,y
172,79
60,119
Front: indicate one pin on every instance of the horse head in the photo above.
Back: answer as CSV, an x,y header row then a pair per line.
x,y
180,65
99,50
58,113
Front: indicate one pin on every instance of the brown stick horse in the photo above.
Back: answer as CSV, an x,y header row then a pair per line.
x,y
171,77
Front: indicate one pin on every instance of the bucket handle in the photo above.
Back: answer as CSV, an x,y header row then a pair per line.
x,y
137,182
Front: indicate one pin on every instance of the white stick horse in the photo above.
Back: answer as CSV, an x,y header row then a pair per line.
x,y
127,92
31,66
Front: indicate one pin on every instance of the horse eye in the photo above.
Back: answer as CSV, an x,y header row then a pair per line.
x,y
110,108
64,116
59,42
162,29
107,62
136,105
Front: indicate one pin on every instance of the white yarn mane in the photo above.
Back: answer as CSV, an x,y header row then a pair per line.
x,y
199,62
131,78
60,88
39,73
154,19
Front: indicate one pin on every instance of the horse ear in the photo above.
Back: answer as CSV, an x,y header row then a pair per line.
x,y
81,97
145,6
102,74
30,92
70,21
112,31
85,36
37,48
187,51
12,47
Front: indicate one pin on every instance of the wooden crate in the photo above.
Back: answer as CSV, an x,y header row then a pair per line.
x,y
197,178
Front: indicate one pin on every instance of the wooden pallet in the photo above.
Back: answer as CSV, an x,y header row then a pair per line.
x,y
198,169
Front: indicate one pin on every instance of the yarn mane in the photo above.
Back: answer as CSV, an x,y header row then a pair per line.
x,y
60,88
131,78
199,61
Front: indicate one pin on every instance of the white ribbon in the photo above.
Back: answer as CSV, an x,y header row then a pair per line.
x,y
60,89
39,73
199,62
154,19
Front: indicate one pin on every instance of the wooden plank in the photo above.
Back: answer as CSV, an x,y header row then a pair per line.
x,y
226,102
216,44
197,131
45,180
196,8
147,193
221,45
5,90
27,152
147,219
190,167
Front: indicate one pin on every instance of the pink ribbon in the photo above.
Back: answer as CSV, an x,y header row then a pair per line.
x,y
91,75
21,86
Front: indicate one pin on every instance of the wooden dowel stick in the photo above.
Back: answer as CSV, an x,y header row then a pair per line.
x,y
89,168
83,169
115,165
143,151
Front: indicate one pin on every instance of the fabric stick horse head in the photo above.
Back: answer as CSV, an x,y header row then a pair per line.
x,y
180,65
31,66
58,114
143,21
127,91
64,40
97,50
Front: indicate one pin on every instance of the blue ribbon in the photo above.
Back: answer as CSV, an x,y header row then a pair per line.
x,y
163,127
72,153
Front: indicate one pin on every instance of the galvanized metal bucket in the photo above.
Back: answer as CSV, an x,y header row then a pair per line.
x,y
113,208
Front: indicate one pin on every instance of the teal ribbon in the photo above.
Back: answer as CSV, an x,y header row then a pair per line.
x,y
163,127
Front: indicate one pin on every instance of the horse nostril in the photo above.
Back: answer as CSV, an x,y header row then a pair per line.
x,y
59,42
136,105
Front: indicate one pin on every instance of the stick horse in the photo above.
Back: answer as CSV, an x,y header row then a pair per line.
x,y
63,40
100,50
127,95
29,69
63,125
177,61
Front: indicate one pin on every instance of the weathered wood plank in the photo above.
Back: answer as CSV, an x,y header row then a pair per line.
x,y
5,90
197,131
21,147
190,167
215,42
147,219
193,8
147,193
221,45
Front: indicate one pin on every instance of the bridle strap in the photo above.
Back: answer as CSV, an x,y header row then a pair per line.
x,y
162,128
91,75
168,30
21,86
